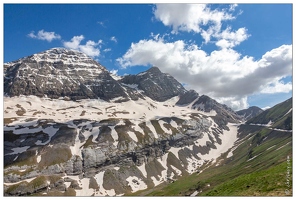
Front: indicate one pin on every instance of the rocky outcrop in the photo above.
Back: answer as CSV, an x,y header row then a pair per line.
x,y
155,84
224,113
187,98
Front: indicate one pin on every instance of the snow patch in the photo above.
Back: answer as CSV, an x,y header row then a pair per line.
x,y
155,181
143,169
282,146
228,139
136,184
176,170
253,157
85,191
289,111
193,164
132,135
114,135
203,141
270,147
38,158
151,127
175,151
163,161
99,178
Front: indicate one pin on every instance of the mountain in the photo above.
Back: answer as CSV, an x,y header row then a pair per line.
x,y
60,72
250,112
71,128
207,104
155,84
279,116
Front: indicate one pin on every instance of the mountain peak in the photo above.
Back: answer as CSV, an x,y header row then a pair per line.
x,y
60,72
249,112
62,50
155,84
154,70
57,54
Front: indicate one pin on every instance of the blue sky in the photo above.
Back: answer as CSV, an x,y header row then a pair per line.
x,y
239,54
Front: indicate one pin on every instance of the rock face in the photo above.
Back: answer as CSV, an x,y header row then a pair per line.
x,y
249,113
58,73
187,98
155,84
207,104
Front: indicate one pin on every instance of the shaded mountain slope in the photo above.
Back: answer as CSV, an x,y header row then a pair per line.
x,y
250,112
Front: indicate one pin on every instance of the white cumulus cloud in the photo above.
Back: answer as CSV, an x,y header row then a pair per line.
x,y
201,19
229,39
90,48
223,74
44,35
189,17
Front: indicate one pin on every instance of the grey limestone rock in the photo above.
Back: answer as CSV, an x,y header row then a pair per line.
x,y
155,84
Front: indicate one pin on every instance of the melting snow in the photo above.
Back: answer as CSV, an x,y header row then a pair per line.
x,y
85,191
151,127
142,169
270,147
133,136
27,180
289,111
136,184
176,170
254,157
163,161
228,138
104,192
114,135
38,158
175,151
155,181
202,141
193,164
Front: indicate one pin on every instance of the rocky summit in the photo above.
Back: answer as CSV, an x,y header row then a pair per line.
x,y
250,112
70,128
155,84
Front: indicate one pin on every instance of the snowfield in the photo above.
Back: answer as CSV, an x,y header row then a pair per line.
x,y
65,111
22,115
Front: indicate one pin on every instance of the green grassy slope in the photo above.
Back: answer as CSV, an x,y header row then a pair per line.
x,y
274,114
